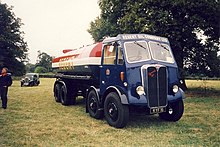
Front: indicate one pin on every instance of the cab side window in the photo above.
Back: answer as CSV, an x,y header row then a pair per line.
x,y
120,58
109,55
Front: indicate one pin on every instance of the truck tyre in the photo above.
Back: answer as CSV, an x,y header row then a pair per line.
x,y
174,111
116,114
93,105
57,90
65,97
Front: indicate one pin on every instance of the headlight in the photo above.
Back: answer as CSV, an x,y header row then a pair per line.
x,y
175,88
140,90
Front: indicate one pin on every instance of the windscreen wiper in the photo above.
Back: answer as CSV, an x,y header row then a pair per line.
x,y
139,45
159,44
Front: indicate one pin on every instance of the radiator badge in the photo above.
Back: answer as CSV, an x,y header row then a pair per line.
x,y
152,73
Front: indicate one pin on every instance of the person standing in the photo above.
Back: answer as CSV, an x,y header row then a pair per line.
x,y
5,82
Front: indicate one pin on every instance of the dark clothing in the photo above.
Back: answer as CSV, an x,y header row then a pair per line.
x,y
5,82
4,98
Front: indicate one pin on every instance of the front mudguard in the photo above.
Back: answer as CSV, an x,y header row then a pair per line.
x,y
176,97
121,93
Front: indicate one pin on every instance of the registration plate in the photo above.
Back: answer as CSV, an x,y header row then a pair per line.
x,y
157,110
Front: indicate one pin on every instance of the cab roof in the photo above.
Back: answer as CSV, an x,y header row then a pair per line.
x,y
135,37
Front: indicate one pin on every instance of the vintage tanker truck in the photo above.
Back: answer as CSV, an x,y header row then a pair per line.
x,y
119,75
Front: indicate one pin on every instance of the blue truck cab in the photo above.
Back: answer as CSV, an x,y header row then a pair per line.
x,y
136,72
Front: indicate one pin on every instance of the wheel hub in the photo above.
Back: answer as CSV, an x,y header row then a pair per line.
x,y
170,111
93,105
113,111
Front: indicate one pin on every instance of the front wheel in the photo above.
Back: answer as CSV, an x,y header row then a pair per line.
x,y
174,111
116,114
93,105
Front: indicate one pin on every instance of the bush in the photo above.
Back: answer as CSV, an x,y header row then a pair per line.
x,y
40,69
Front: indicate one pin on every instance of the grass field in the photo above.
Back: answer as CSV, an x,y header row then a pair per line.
x,y
33,118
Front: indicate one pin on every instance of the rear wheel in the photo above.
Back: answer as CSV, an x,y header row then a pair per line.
x,y
174,111
93,105
57,90
116,114
66,97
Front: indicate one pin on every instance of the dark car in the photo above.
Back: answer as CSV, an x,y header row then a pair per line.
x,y
30,79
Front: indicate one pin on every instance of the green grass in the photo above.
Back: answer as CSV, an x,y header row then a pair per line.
x,y
33,118
203,88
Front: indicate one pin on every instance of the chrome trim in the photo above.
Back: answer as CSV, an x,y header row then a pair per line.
x,y
157,66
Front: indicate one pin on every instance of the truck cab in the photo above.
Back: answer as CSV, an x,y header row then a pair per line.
x,y
135,71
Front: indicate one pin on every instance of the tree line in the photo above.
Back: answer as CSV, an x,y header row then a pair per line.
x,y
42,65
14,49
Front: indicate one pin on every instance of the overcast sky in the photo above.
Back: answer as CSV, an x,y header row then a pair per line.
x,y
51,25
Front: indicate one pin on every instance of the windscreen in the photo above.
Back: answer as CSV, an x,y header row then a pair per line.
x,y
161,52
137,51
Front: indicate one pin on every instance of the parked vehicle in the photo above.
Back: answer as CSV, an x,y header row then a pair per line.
x,y
120,75
30,79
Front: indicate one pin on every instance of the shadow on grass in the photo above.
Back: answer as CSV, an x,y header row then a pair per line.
x,y
146,121
136,120
202,92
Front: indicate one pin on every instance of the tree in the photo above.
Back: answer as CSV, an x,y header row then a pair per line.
x,y
30,67
182,21
40,69
98,29
45,61
108,23
13,48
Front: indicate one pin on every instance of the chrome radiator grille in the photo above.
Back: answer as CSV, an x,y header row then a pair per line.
x,y
155,85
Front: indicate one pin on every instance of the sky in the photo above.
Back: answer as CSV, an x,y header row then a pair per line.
x,y
51,25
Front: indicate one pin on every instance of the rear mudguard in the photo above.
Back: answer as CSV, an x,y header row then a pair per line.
x,y
60,82
97,91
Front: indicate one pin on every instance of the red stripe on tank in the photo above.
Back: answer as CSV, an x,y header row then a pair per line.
x,y
96,51
64,58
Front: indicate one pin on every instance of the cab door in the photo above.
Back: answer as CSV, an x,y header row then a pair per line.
x,y
111,66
